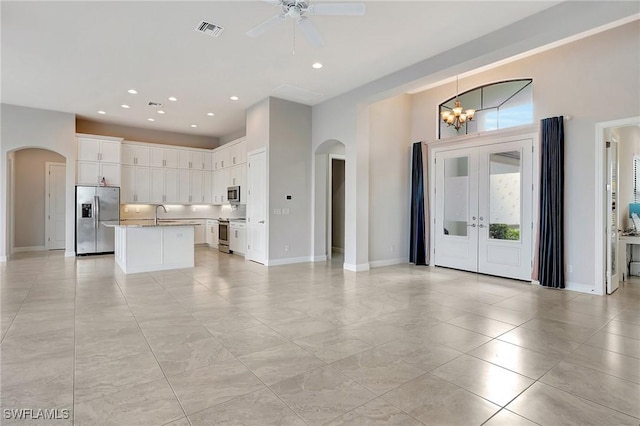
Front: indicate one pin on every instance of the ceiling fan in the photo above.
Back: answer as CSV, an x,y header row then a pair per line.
x,y
300,11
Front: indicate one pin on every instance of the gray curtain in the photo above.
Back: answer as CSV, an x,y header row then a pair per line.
x,y
551,229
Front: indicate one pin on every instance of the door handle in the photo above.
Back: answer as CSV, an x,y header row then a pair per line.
x,y
473,225
96,215
481,226
262,221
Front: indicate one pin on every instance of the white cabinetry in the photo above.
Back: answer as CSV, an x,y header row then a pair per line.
x,y
212,233
98,159
238,153
199,233
164,185
135,155
229,169
238,237
184,186
136,184
164,157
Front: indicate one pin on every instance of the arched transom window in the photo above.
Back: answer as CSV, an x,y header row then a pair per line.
x,y
498,106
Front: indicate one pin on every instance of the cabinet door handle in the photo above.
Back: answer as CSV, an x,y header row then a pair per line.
x,y
222,163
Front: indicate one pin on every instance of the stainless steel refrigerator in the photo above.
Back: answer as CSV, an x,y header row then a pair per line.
x,y
94,205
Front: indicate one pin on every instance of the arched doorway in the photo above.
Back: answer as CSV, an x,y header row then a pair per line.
x,y
37,192
329,197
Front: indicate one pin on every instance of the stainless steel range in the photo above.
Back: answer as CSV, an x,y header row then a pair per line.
x,y
223,235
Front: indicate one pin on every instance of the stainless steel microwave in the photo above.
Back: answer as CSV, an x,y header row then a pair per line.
x,y
233,194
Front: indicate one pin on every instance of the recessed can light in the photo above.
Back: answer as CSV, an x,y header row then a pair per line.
x,y
101,112
234,98
160,111
210,114
317,65
173,98
194,125
151,119
133,91
125,106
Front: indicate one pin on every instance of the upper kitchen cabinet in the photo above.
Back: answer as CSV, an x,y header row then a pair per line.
x,y
104,150
238,153
98,161
135,155
164,157
194,159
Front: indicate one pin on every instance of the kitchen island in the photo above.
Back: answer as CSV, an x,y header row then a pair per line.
x,y
151,247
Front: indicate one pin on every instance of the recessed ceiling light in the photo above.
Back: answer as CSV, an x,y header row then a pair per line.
x,y
125,106
173,98
151,119
160,111
317,65
210,114
101,112
194,125
133,91
234,98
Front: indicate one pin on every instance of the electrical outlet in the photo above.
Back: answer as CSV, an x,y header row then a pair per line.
x,y
137,209
570,269
193,209
126,209
286,247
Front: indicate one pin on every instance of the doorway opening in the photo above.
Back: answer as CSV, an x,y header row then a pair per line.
x,y
617,146
38,192
335,246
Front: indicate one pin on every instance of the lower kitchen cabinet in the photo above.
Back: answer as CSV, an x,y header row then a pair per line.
x,y
238,238
212,233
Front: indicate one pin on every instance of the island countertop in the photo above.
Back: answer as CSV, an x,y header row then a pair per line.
x,y
147,223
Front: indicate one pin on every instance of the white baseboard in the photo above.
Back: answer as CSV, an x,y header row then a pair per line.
x,y
356,268
69,254
386,262
572,286
28,249
337,249
288,261
322,258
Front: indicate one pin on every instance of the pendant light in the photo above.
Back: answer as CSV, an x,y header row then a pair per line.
x,y
457,116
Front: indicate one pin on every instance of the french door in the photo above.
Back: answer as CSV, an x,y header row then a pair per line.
x,y
483,207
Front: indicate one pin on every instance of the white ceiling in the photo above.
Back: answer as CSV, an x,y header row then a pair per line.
x,y
83,56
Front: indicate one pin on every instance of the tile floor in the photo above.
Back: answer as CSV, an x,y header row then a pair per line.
x,y
232,342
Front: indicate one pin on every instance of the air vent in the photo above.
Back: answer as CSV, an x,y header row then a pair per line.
x,y
154,104
210,29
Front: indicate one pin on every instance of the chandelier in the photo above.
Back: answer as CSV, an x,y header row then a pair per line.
x,y
457,116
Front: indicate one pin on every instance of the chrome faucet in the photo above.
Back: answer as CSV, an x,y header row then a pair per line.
x,y
155,220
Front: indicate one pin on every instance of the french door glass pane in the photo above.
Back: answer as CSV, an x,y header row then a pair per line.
x,y
456,196
504,195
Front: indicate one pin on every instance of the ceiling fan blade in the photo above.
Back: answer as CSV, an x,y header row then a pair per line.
x,y
274,2
269,23
342,9
310,32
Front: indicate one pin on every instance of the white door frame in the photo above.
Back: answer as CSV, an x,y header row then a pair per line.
x,y
47,225
330,200
600,147
486,138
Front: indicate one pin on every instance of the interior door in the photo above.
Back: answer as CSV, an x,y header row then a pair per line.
x,y
484,207
612,217
56,203
505,209
257,207
456,216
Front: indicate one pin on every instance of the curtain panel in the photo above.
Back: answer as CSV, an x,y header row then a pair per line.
x,y
418,251
551,226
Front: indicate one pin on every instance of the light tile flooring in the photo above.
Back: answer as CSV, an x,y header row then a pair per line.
x,y
232,342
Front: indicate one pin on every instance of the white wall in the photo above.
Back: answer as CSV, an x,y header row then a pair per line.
x,y
35,128
346,117
29,202
587,90
289,174
389,180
